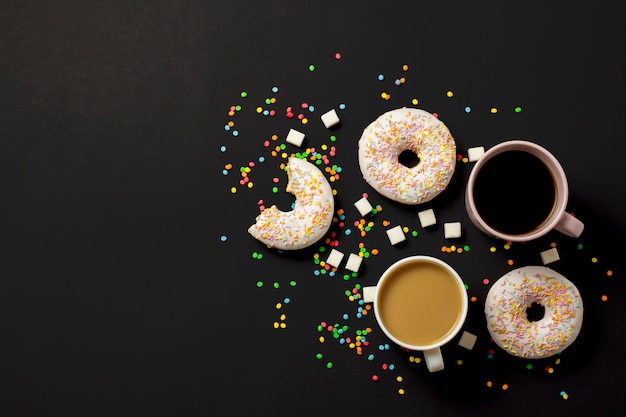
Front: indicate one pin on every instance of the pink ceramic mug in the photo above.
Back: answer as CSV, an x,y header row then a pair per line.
x,y
532,205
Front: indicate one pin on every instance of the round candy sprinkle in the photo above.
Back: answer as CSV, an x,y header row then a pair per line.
x,y
449,93
319,356
329,365
274,89
468,109
375,378
337,56
312,68
244,94
259,284
518,109
223,238
493,110
381,77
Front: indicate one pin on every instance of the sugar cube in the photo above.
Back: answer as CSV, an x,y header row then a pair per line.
x,y
354,262
396,235
295,137
550,255
467,340
474,154
334,258
427,218
330,118
369,294
452,230
364,207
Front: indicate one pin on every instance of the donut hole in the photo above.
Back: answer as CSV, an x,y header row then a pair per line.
x,y
408,158
535,312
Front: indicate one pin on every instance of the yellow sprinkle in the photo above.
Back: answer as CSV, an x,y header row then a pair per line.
x,y
399,378
233,190
459,362
492,249
283,325
321,339
401,391
276,325
305,121
493,110
594,260
283,317
278,306
250,184
259,109
411,358
415,101
449,93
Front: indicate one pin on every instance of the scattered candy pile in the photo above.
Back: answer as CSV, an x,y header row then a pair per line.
x,y
350,224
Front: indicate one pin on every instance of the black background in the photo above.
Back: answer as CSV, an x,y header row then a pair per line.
x,y
118,295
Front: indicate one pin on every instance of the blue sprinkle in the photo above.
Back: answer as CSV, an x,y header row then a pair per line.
x,y
223,238
261,159
225,171
392,367
468,109
293,205
226,128
361,302
397,81
348,232
370,357
223,148
340,331
331,274
339,169
266,112
274,89
490,356
359,315
311,108
381,77
235,133
381,347
346,316
342,106
342,341
316,273
287,300
342,217
386,346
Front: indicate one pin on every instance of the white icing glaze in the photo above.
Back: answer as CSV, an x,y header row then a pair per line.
x,y
311,217
507,321
407,129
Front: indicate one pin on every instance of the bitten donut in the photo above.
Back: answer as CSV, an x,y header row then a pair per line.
x,y
311,216
506,311
414,130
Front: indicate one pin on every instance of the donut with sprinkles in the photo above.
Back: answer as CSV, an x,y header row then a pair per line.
x,y
414,131
507,304
312,212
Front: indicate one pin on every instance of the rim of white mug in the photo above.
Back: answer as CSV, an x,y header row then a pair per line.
x,y
464,301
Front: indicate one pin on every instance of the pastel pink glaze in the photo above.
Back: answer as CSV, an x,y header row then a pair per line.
x,y
559,220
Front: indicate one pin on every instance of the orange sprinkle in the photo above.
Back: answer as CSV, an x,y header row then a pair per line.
x,y
505,387
609,273
405,67
274,137
489,384
444,248
510,262
604,298
374,252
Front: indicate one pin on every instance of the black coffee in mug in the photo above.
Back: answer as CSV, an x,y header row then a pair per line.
x,y
514,192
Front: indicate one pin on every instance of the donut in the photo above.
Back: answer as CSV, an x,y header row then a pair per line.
x,y
506,312
414,130
312,212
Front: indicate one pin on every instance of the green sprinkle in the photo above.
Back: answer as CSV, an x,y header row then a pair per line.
x,y
319,328
466,248
238,108
259,284
311,67
244,94
275,190
293,283
357,286
346,277
333,138
276,285
580,246
347,293
518,109
319,356
414,233
329,365
529,366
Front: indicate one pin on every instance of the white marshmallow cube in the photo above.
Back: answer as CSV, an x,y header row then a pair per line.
x,y
364,207
334,258
396,235
474,154
295,137
354,262
467,340
330,118
427,218
452,230
550,255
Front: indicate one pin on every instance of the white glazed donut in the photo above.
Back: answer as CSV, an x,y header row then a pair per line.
x,y
311,217
510,297
410,129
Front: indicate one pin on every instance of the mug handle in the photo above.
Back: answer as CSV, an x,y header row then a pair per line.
x,y
569,225
434,359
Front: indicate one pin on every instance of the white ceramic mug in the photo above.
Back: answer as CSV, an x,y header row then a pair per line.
x,y
557,219
449,305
